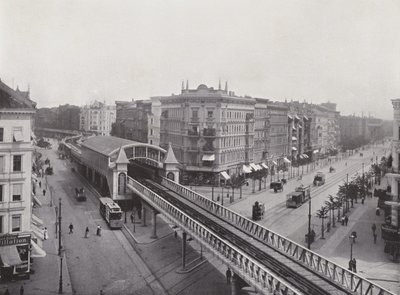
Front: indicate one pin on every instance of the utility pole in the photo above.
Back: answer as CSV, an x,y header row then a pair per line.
x,y
59,227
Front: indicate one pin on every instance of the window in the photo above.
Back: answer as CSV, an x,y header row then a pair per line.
x,y
17,134
151,131
17,192
1,224
1,164
210,114
1,193
17,163
195,114
1,134
16,223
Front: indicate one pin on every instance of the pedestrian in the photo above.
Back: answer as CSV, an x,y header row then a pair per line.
x,y
354,265
102,292
44,192
228,276
45,234
363,200
71,228
86,232
40,184
132,217
98,231
7,292
373,227
175,234
351,265
21,290
346,220
377,211
343,220
375,236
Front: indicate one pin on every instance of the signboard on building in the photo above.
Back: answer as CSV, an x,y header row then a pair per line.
x,y
8,240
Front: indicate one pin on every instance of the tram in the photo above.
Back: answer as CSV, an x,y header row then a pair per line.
x,y
111,212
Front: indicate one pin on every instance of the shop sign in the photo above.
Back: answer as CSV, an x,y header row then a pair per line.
x,y
8,240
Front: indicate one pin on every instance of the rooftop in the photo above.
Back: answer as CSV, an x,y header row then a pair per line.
x,y
10,98
105,144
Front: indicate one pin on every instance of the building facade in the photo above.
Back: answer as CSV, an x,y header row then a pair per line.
x,y
97,118
211,131
16,116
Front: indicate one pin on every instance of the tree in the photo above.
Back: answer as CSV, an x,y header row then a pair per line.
x,y
338,204
331,206
322,214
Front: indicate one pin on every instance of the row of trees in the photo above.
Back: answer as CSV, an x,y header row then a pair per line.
x,y
347,195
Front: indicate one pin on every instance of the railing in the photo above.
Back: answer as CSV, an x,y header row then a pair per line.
x,y
339,275
251,271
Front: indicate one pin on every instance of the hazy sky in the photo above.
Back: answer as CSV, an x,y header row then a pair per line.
x,y
315,50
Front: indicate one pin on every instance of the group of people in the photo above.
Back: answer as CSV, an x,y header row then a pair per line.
x,y
98,230
345,220
353,265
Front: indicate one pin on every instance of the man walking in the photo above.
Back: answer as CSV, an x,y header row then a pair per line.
x,y
375,236
71,228
21,290
228,276
86,232
98,231
44,192
373,227
354,265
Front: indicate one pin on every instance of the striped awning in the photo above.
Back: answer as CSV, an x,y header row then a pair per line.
x,y
9,255
246,169
225,175
263,165
286,160
36,250
255,167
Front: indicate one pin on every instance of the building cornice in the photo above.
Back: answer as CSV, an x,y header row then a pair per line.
x,y
18,111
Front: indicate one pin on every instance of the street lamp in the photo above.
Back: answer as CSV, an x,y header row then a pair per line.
x,y
60,282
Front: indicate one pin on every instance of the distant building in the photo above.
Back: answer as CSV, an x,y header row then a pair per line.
x,y
211,131
16,116
97,118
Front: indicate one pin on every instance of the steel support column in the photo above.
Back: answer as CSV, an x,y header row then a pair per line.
x,y
184,250
154,228
144,215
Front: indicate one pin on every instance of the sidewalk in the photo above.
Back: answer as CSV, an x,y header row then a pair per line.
x,y
45,279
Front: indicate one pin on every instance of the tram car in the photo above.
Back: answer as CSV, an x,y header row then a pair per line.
x,y
111,213
301,195
319,179
80,194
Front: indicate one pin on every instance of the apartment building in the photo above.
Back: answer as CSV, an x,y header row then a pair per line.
x,y
16,116
97,118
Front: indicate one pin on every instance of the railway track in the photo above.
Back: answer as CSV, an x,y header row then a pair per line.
x,y
295,278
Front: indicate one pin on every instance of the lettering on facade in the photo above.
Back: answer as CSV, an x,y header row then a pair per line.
x,y
14,240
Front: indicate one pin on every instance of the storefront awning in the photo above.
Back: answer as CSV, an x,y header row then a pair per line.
x,y
316,151
255,167
208,157
286,160
246,169
290,117
36,250
263,165
301,157
36,220
37,232
225,175
36,200
305,156
294,148
297,117
294,138
9,255
258,166
275,163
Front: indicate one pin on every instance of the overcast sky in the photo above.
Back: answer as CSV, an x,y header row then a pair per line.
x,y
315,50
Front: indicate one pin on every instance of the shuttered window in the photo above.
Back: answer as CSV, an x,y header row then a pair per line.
x,y
16,223
17,192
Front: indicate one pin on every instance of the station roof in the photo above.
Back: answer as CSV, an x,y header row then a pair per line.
x,y
106,144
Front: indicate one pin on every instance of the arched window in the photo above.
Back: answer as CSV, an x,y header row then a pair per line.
x,y
121,183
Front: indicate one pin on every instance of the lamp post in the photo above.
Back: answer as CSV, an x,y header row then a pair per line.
x,y
59,227
60,282
309,224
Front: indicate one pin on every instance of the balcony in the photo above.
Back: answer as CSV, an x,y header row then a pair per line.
x,y
209,132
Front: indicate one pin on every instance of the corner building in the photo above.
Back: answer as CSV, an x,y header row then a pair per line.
x,y
211,132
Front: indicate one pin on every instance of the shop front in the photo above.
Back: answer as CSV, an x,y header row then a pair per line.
x,y
14,256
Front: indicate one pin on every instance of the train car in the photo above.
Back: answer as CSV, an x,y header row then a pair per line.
x,y
111,212
80,194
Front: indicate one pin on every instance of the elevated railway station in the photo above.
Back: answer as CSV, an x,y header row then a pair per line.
x,y
258,257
